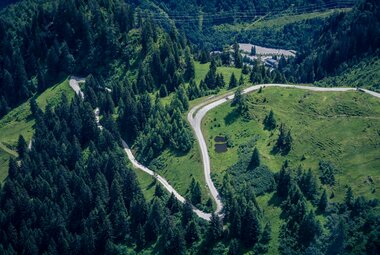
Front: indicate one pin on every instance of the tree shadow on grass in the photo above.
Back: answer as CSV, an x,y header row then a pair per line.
x,y
275,150
275,200
231,117
30,117
278,151
151,184
177,153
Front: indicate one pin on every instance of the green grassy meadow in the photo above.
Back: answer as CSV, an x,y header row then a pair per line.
x,y
202,69
200,73
340,127
147,183
179,169
20,122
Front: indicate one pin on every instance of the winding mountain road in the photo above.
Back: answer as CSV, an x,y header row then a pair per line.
x,y
198,112
74,84
195,116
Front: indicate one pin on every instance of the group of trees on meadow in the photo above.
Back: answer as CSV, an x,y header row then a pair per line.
x,y
303,233
215,81
303,201
284,140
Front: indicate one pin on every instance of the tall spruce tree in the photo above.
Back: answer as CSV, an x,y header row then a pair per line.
x,y
255,160
322,204
233,82
22,147
215,228
237,56
190,69
250,228
270,121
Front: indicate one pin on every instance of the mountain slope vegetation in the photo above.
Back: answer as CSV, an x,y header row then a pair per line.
x,y
145,64
20,121
346,39
197,18
129,57
5,3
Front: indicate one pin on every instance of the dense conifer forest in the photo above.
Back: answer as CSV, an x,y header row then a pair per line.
x,y
5,3
73,190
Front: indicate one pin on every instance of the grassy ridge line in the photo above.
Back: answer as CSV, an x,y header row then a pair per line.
x,y
277,21
365,74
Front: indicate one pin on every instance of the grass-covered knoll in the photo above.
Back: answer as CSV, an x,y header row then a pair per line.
x,y
180,168
339,127
20,122
200,73
364,74
277,21
202,69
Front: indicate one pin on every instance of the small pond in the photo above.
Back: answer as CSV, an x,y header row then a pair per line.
x,y
220,139
221,147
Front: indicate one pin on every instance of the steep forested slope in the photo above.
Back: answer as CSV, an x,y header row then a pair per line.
x,y
198,18
42,42
344,41
128,53
5,3
73,192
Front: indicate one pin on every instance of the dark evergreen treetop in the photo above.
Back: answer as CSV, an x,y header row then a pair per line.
x,y
255,159
270,121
